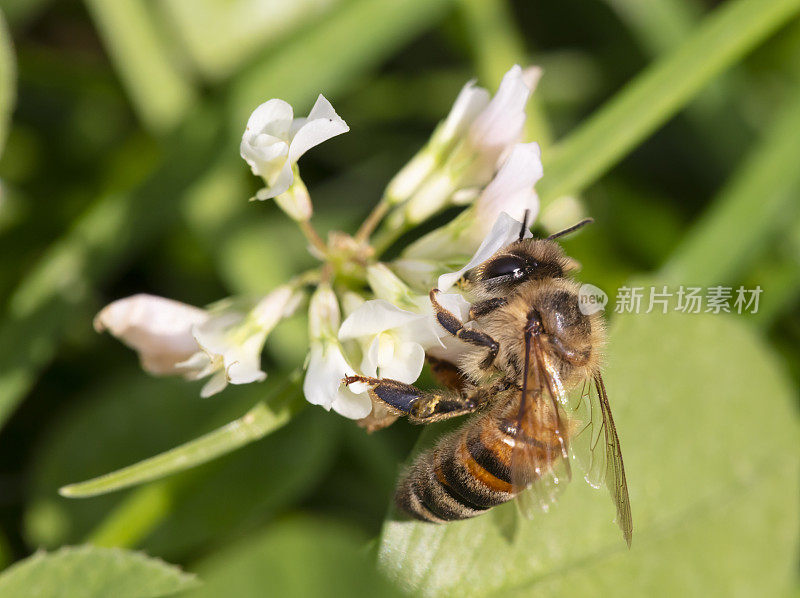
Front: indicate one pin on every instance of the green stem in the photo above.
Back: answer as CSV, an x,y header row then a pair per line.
x,y
375,216
145,508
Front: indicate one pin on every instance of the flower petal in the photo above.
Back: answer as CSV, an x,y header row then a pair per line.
x,y
322,124
265,159
470,102
243,363
501,121
455,304
278,304
511,190
316,385
280,184
322,385
273,116
406,365
216,384
505,231
373,317
352,405
212,335
159,329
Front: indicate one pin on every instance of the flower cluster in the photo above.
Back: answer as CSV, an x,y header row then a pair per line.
x,y
365,316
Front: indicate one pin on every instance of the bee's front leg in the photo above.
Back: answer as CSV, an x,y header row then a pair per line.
x,y
454,326
420,406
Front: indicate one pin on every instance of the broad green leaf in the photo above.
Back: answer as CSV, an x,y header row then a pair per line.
x,y
255,424
709,437
648,101
92,572
300,556
8,81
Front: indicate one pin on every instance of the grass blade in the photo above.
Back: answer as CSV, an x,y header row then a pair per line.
x,y
160,92
8,81
747,210
255,424
659,93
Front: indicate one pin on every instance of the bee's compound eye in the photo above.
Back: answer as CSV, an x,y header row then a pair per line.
x,y
507,265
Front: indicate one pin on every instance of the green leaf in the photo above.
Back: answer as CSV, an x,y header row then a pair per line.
x,y
255,424
709,437
91,572
658,93
300,556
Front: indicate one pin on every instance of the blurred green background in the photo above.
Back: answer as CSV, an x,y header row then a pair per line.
x,y
676,124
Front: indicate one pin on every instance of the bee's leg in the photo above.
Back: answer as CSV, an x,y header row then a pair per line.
x,y
447,374
455,327
420,406
481,308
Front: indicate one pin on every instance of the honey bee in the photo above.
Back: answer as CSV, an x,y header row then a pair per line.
x,y
531,377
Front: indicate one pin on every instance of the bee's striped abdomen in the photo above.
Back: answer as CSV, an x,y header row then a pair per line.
x,y
465,474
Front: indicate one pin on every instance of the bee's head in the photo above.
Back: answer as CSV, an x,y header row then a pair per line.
x,y
522,261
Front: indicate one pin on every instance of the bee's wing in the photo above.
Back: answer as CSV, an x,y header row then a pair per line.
x,y
595,445
540,466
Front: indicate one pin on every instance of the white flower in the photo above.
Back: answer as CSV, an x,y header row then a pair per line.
x,y
274,140
394,340
504,232
510,191
466,147
159,329
174,338
327,364
231,342
500,123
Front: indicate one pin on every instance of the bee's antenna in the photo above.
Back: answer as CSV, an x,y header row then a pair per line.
x,y
524,224
571,229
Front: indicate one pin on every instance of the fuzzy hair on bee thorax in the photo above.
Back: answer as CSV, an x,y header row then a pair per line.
x,y
532,275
